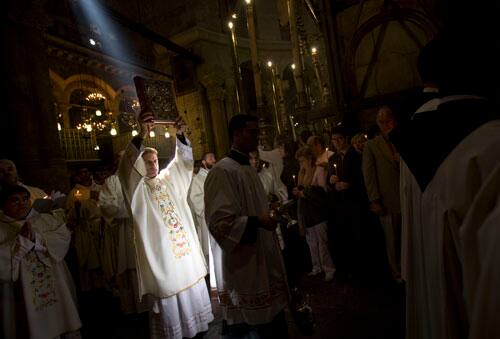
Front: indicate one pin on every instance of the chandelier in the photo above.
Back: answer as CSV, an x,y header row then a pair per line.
x,y
97,121
95,96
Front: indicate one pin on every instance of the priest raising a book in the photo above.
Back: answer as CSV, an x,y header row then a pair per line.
x,y
170,263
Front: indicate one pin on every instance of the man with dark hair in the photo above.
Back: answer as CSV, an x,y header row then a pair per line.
x,y
248,265
348,202
239,122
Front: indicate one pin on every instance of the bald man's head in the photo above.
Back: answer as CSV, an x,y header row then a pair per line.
x,y
8,172
385,120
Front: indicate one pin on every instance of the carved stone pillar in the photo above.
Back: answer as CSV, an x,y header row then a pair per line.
x,y
29,130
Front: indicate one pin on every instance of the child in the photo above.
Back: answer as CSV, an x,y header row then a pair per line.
x,y
36,286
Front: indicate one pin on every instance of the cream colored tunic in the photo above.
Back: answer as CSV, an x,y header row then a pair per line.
x,y
47,286
250,277
432,221
169,256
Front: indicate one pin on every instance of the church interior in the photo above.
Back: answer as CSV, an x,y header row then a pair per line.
x,y
320,69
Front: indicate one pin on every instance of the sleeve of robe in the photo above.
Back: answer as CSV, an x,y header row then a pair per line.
x,y
181,166
370,172
51,236
111,200
196,199
130,170
223,211
480,238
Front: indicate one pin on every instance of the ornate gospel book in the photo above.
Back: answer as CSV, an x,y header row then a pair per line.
x,y
157,97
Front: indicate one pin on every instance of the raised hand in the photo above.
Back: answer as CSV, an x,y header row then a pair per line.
x,y
26,231
146,122
180,125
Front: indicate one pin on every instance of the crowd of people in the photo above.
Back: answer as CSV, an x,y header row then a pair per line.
x,y
165,240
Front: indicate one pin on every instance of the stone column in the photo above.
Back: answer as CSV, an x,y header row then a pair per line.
x,y
30,127
215,95
257,72
297,60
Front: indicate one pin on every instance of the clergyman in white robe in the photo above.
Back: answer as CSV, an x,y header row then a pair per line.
x,y
170,263
435,202
480,238
250,276
118,249
197,203
49,298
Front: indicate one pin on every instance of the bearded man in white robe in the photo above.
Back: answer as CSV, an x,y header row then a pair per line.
x,y
249,268
170,263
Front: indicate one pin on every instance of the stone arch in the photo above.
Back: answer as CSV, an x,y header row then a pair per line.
x,y
403,16
84,82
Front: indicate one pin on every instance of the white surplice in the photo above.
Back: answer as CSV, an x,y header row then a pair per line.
x,y
120,228
250,277
271,176
39,267
170,263
195,200
197,203
480,237
117,250
432,222
86,220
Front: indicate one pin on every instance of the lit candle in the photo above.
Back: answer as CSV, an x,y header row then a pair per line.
x,y
335,167
293,176
78,195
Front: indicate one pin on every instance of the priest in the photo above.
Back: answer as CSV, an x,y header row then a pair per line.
x,y
170,263
248,265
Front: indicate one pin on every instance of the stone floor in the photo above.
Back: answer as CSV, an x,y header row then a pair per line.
x,y
343,309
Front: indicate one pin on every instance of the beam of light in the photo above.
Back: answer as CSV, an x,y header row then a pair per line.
x,y
110,39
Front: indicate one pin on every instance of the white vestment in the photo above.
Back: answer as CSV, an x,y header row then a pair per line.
x,y
118,250
271,176
116,215
86,220
47,287
480,237
250,277
195,200
170,263
197,204
271,180
432,221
